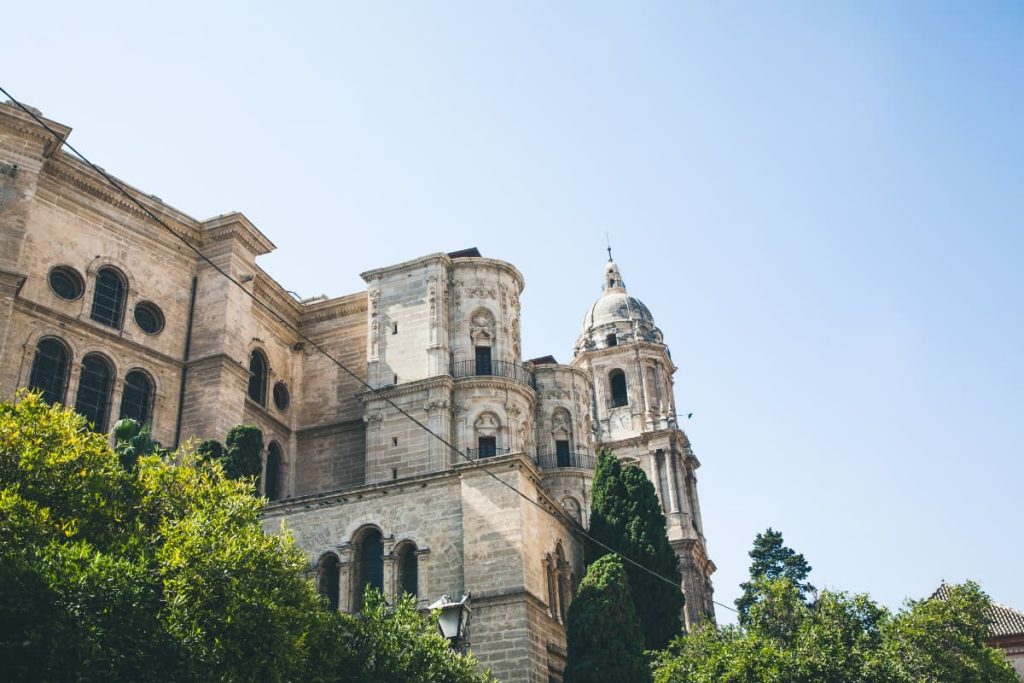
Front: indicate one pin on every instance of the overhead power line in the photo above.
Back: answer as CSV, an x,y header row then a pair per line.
x,y
294,328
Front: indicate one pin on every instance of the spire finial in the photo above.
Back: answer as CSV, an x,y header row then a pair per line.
x,y
609,243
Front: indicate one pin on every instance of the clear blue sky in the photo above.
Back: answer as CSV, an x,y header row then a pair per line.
x,y
821,203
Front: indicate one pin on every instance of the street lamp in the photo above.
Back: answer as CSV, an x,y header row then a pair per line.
x,y
454,619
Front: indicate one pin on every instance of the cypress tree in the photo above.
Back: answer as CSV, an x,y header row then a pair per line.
x,y
626,516
605,643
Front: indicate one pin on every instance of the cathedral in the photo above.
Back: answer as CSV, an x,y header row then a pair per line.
x,y
106,310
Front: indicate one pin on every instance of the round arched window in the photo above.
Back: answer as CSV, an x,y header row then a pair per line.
x,y
281,396
66,283
149,317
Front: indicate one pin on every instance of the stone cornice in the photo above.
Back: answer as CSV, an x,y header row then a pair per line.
x,y
73,173
406,389
461,264
313,501
84,327
379,273
330,309
555,368
15,120
237,227
638,346
495,382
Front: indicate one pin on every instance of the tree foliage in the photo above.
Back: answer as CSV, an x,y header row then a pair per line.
x,y
839,637
161,571
772,560
626,515
604,639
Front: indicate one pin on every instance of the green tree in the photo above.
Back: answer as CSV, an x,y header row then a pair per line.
x,y
772,560
387,644
604,640
626,516
161,571
133,440
242,449
840,637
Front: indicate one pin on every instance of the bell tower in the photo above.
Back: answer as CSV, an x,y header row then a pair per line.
x,y
634,416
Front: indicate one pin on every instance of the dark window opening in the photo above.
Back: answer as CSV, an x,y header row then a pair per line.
x,y
483,360
371,565
272,483
258,377
108,299
50,370
562,453
66,283
328,579
617,379
394,328
488,446
93,399
149,318
394,441
611,340
281,396
137,397
611,283
394,473
408,570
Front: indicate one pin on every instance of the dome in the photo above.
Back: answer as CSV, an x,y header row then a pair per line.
x,y
616,317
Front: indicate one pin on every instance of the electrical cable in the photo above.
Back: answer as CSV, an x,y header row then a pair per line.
x,y
376,392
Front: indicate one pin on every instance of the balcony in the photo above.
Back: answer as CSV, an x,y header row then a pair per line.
x,y
493,368
551,461
482,453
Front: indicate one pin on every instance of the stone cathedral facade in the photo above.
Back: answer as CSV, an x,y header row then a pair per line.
x,y
104,310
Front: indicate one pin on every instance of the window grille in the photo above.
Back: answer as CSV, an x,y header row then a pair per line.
x,y
108,299
50,370
137,397
93,399
149,318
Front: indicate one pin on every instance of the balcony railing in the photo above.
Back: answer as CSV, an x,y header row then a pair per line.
x,y
550,461
481,453
493,368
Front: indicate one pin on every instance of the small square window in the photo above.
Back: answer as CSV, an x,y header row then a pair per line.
x,y
612,340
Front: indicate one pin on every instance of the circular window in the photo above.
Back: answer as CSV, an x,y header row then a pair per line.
x,y
281,396
66,283
148,317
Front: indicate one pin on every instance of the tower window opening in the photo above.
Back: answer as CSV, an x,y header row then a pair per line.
x,y
483,360
370,551
258,377
50,370
488,446
612,340
394,328
617,380
562,453
408,570
329,579
272,483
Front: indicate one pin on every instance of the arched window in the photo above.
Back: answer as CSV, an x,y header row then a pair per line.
x,y
50,369
408,569
137,397
487,428
94,385
258,377
617,381
272,483
369,565
328,578
108,299
572,506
